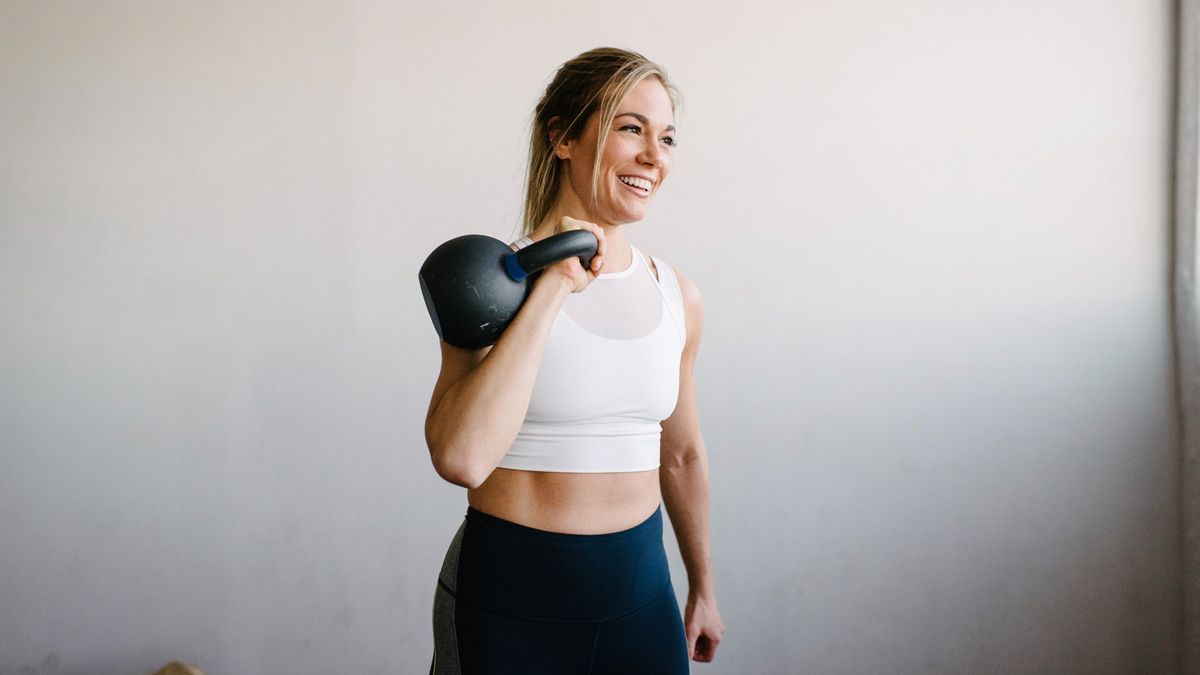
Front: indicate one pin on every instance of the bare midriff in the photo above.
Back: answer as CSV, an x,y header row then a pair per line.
x,y
573,503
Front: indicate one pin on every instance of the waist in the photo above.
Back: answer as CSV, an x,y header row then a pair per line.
x,y
512,568
579,503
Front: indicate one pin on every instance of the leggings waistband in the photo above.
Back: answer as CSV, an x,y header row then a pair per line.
x,y
644,529
523,571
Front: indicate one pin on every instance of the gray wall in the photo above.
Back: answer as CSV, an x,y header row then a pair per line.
x,y
932,239
1186,303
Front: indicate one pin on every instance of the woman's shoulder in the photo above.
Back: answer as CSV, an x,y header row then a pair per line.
x,y
693,302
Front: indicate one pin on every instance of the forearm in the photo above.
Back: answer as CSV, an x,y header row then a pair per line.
x,y
477,419
685,492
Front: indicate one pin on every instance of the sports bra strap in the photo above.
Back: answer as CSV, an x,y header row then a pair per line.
x,y
668,286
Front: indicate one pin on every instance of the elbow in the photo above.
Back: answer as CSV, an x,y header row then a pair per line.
x,y
460,477
676,462
680,457
454,470
458,458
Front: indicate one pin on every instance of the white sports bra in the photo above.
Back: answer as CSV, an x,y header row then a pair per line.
x,y
608,377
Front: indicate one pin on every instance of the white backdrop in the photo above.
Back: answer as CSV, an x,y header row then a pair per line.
x,y
932,238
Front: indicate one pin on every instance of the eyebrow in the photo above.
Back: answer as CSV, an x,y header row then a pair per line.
x,y
642,118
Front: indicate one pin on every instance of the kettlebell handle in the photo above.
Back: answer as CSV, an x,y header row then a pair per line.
x,y
536,256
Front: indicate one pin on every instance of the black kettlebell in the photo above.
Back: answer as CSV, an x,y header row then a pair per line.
x,y
474,285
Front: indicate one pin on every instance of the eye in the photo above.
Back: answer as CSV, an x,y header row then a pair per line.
x,y
636,128
670,140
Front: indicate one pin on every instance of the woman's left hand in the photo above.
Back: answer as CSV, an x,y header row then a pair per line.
x,y
702,624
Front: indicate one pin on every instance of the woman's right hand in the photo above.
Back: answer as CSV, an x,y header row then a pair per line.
x,y
570,271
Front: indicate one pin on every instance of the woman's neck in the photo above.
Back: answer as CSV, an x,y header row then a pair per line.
x,y
618,255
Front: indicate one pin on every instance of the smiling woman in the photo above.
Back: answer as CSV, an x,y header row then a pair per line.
x,y
628,155
559,430
635,161
583,105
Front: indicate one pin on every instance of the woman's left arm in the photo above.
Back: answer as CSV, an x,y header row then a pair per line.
x,y
683,477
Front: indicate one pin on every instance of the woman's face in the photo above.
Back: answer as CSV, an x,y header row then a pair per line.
x,y
636,160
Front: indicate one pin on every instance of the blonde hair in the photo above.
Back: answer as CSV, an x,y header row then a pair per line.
x,y
178,668
594,82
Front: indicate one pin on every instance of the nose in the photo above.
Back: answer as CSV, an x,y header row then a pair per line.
x,y
652,154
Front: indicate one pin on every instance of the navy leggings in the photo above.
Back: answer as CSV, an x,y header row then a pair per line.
x,y
514,599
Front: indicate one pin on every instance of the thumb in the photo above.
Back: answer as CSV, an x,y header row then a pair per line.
x,y
569,223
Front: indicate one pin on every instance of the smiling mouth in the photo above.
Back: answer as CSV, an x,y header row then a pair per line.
x,y
637,184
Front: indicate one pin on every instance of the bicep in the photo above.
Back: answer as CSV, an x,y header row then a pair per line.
x,y
457,363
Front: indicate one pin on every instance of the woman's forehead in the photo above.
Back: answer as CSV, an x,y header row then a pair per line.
x,y
648,100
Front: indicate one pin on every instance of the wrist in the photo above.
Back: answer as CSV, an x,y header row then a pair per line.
x,y
560,285
701,585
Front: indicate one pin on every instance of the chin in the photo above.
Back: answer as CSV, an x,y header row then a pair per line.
x,y
626,218
634,214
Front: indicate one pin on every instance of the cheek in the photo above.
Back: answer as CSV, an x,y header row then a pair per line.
x,y
620,150
664,170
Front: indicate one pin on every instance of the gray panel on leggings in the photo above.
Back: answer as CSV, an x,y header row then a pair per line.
x,y
445,639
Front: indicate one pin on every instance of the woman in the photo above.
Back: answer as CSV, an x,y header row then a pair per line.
x,y
559,565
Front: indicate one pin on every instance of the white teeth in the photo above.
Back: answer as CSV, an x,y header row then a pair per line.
x,y
636,182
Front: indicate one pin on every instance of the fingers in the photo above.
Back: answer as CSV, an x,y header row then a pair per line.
x,y
567,223
601,241
702,646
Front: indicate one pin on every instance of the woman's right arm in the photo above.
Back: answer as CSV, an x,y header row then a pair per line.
x,y
482,395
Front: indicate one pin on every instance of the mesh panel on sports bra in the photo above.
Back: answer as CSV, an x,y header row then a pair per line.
x,y
623,305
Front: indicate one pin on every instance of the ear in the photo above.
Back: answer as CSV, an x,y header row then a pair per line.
x,y
561,150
